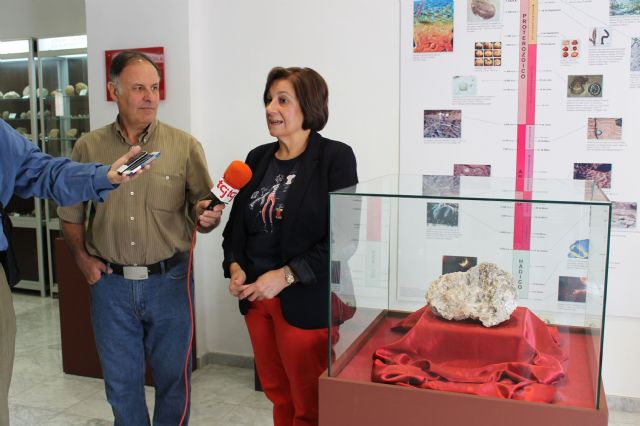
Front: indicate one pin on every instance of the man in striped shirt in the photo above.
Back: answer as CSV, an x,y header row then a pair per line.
x,y
134,253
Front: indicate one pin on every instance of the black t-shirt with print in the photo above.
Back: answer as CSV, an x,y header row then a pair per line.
x,y
264,213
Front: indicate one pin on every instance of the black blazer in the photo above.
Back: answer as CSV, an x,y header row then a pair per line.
x,y
326,165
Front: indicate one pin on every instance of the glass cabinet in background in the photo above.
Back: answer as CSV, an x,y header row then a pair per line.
x,y
44,96
62,77
19,108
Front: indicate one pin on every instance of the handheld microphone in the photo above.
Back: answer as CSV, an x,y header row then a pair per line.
x,y
237,175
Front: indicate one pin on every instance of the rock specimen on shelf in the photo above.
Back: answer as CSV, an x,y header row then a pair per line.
x,y
81,88
485,293
11,95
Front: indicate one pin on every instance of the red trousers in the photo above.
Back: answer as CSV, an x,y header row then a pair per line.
x,y
289,361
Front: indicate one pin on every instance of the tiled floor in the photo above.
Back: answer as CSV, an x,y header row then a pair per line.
x,y
42,395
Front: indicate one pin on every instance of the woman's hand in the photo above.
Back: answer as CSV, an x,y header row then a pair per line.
x,y
237,280
267,286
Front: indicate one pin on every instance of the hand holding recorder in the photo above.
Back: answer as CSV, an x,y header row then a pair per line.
x,y
131,165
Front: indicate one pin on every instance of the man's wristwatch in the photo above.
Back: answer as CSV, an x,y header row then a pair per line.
x,y
288,275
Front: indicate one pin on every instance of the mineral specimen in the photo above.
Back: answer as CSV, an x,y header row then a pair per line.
x,y
485,292
81,88
11,95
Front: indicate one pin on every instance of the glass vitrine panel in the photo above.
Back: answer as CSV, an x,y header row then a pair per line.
x,y
393,236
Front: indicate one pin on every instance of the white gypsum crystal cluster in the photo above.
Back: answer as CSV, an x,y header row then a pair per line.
x,y
484,292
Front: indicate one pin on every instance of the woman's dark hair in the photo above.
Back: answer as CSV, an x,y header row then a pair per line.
x,y
311,90
122,59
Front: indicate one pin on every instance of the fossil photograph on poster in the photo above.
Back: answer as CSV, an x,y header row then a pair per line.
x,y
472,170
624,214
635,54
572,289
624,7
458,263
483,10
604,128
464,85
598,172
579,249
443,185
442,123
600,37
442,214
487,54
585,86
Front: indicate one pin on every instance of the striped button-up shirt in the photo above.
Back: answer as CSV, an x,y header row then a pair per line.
x,y
150,218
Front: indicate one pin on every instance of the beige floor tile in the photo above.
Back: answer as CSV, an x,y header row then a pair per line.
x,y
56,393
93,407
624,418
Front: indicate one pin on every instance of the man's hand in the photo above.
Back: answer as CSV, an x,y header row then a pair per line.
x,y
117,179
208,219
91,268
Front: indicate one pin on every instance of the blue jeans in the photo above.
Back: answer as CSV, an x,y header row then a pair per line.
x,y
134,320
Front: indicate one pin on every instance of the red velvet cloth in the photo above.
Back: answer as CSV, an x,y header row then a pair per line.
x,y
518,359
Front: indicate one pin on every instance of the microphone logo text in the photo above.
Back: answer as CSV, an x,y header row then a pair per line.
x,y
227,192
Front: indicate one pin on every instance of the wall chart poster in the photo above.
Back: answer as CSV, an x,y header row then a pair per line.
x,y
530,89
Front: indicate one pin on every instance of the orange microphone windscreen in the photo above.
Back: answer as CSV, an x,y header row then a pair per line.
x,y
238,174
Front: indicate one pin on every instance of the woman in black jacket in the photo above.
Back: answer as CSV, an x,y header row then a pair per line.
x,y
276,242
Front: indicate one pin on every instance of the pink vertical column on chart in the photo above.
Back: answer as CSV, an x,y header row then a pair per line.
x,y
527,59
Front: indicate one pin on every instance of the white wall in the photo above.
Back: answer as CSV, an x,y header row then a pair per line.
x,y
353,44
621,370
121,24
41,18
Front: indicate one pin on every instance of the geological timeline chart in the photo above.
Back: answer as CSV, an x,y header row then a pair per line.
x,y
525,90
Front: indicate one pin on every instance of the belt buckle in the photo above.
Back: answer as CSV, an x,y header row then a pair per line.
x,y
135,272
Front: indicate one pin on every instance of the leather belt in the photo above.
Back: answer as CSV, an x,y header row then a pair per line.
x,y
141,270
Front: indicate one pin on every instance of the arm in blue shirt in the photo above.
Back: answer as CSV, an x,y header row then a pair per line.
x,y
27,172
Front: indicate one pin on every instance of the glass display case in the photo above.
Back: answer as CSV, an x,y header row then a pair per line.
x,y
393,237
62,76
18,107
